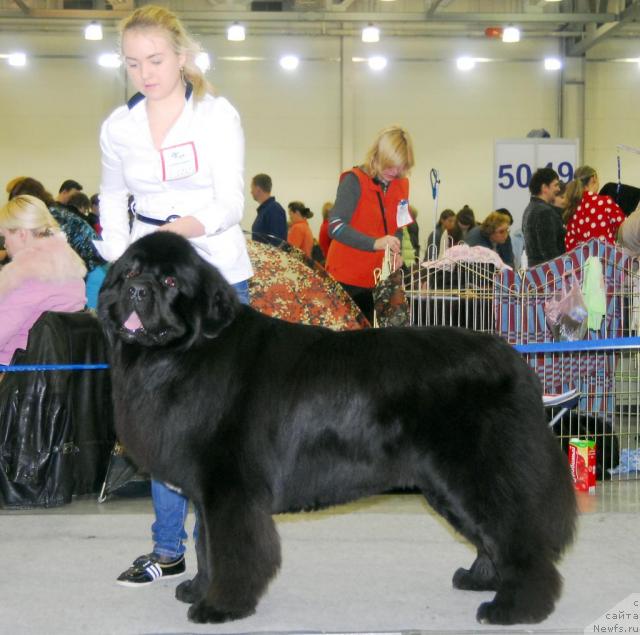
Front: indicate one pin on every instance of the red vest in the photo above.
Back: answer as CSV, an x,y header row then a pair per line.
x,y
354,266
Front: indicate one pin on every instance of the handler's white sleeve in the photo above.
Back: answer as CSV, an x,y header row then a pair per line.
x,y
114,217
225,150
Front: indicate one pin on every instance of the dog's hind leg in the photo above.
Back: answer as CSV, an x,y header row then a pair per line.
x,y
482,575
191,591
529,586
243,552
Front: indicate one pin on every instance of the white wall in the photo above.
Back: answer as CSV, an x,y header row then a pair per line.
x,y
304,128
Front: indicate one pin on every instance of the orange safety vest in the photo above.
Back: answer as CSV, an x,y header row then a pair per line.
x,y
355,266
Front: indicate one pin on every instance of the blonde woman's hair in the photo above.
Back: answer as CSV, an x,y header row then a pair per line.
x,y
154,17
391,149
28,212
575,190
493,222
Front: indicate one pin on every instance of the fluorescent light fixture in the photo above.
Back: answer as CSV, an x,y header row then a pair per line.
x,y
236,33
465,63
511,34
371,34
377,62
552,64
17,59
109,60
289,62
203,61
93,31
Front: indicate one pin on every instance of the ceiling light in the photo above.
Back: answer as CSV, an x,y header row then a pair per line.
x,y
289,62
93,31
552,64
371,34
511,34
109,60
236,33
203,61
17,59
465,63
377,62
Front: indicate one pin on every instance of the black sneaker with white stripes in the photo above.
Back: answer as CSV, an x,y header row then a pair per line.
x,y
148,568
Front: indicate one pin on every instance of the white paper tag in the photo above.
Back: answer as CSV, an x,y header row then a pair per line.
x,y
403,217
179,162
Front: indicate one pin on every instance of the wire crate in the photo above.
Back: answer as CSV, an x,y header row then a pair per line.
x,y
604,367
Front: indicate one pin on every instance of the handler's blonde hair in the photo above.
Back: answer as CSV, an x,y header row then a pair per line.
x,y
391,149
27,212
154,17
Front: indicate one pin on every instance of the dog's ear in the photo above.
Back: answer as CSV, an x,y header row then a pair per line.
x,y
220,301
109,296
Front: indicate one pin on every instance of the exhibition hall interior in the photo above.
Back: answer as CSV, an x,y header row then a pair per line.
x,y
319,316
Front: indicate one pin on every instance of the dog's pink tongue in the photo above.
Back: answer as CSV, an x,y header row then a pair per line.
x,y
133,322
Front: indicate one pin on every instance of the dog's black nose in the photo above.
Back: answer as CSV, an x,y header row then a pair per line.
x,y
137,292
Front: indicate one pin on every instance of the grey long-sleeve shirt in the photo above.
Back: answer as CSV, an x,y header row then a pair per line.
x,y
340,229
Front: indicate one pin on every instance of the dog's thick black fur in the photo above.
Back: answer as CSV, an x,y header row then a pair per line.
x,y
252,416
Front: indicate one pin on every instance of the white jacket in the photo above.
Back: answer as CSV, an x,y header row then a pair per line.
x,y
209,185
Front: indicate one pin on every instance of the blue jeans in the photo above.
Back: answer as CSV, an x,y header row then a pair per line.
x,y
171,507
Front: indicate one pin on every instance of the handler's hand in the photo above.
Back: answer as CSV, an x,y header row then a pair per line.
x,y
391,241
187,226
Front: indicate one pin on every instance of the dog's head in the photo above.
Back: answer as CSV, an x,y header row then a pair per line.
x,y
160,292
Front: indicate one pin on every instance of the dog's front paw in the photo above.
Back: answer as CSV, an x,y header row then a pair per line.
x,y
190,591
203,613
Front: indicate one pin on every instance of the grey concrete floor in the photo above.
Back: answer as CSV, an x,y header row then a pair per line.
x,y
381,565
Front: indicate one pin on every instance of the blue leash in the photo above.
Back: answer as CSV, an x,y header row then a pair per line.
x,y
542,347
47,367
434,177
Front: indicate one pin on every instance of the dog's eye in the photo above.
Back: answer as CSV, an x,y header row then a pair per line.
x,y
169,281
133,273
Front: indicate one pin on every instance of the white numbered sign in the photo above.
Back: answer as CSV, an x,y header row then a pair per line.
x,y
515,160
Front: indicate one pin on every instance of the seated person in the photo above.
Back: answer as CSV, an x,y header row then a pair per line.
x,y
493,233
465,220
44,274
79,233
435,246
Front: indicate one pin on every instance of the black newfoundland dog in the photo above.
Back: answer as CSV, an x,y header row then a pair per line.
x,y
252,416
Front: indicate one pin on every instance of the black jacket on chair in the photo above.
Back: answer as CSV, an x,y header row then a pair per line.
x,y
56,427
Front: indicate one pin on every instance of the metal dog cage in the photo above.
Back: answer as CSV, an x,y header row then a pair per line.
x,y
603,366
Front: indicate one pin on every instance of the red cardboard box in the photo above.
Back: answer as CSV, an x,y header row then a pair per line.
x,y
582,458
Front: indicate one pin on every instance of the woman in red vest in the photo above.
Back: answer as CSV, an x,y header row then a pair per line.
x,y
371,208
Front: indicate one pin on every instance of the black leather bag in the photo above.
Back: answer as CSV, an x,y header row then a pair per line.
x,y
56,427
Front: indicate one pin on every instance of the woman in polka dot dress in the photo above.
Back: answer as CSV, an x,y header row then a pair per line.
x,y
588,214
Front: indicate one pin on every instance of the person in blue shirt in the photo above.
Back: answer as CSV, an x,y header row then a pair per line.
x,y
270,225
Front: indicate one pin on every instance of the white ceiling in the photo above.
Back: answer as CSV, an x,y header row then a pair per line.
x,y
579,24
